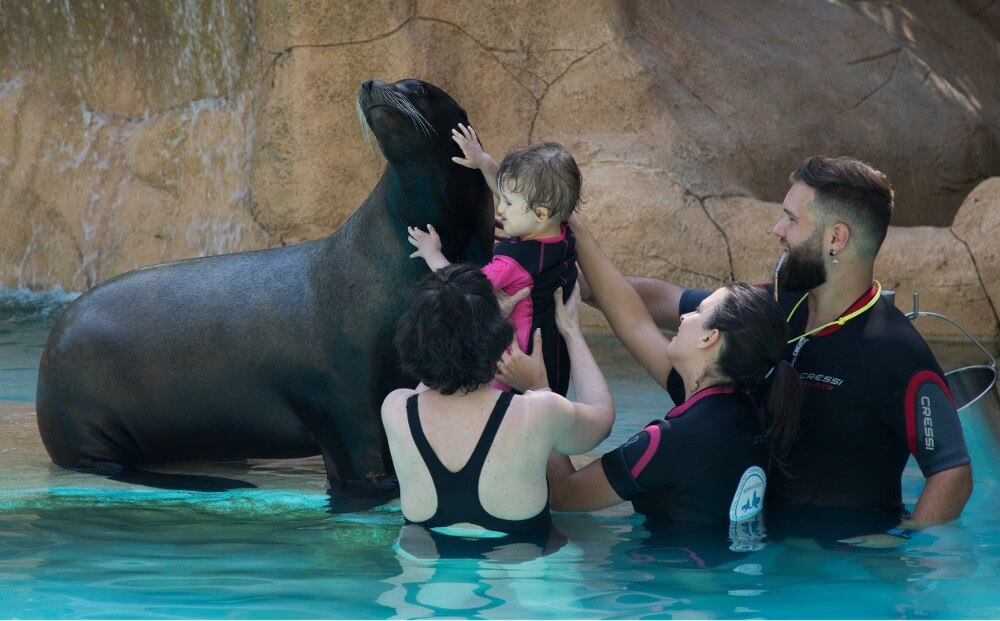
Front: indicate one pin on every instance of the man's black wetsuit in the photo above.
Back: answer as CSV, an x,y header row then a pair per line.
x,y
688,465
873,395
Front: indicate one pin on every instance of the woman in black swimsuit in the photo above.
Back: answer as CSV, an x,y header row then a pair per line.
x,y
466,454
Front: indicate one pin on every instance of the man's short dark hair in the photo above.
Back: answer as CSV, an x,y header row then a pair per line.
x,y
850,191
453,333
546,175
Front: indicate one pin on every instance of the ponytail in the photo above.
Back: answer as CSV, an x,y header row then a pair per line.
x,y
781,415
754,334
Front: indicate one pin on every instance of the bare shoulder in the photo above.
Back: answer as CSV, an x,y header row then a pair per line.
x,y
545,403
394,404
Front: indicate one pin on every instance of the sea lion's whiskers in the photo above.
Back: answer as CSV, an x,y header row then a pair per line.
x,y
366,130
393,99
403,105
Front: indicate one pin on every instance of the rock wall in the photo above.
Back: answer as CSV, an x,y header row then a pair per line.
x,y
126,133
132,133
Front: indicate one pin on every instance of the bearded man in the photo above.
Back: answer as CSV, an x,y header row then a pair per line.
x,y
874,394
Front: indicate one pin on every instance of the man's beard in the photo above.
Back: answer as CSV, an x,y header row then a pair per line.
x,y
804,268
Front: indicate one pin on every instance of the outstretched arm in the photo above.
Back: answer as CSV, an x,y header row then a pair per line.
x,y
622,305
944,497
662,298
590,420
586,489
581,426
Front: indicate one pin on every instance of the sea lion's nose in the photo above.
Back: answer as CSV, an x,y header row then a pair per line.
x,y
371,85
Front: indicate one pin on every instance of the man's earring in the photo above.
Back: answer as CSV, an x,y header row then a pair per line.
x,y
834,256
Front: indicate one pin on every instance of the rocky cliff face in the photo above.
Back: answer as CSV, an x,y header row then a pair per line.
x,y
133,133
126,131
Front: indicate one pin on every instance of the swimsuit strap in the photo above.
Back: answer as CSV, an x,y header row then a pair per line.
x,y
475,464
430,458
478,457
458,492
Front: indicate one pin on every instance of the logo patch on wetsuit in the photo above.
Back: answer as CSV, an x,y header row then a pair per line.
x,y
818,380
749,497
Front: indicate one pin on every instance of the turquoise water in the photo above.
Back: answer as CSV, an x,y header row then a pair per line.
x,y
25,320
75,546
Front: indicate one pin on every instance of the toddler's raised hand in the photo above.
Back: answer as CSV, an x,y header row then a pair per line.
x,y
428,245
425,241
467,140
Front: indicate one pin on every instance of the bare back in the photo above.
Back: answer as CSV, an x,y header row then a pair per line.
x,y
512,483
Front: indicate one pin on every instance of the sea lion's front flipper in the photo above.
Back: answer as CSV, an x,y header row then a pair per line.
x,y
187,482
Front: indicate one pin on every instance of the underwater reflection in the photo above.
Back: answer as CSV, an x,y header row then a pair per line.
x,y
685,545
585,566
466,576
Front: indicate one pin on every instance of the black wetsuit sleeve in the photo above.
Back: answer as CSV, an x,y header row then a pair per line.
x,y
690,300
642,463
928,420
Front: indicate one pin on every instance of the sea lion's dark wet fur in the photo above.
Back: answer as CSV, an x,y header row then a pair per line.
x,y
275,353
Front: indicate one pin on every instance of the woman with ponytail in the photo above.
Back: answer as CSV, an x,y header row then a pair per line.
x,y
694,463
750,359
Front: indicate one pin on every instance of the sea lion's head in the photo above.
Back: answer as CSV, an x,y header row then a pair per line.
x,y
411,119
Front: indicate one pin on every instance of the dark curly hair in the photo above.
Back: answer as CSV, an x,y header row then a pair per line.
x,y
453,333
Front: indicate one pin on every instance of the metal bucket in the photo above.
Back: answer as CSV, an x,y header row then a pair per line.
x,y
977,399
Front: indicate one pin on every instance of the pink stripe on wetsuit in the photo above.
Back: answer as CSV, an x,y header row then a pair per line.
x,y
654,430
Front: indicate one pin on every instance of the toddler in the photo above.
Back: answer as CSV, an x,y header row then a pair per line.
x,y
538,188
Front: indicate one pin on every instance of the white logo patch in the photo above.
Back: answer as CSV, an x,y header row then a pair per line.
x,y
748,500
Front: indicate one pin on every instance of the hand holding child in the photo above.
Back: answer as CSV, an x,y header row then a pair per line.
x,y
521,371
508,302
568,314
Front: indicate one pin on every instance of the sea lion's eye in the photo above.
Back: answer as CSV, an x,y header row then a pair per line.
x,y
419,90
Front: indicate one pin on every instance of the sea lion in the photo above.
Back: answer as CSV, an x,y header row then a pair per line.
x,y
275,353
